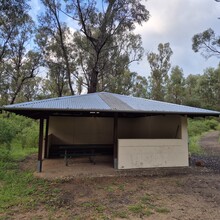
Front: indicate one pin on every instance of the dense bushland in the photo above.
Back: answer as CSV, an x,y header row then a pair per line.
x,y
18,136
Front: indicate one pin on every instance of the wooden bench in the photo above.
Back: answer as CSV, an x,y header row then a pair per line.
x,y
83,150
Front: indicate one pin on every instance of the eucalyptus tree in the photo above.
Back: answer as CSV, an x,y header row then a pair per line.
x,y
207,42
128,83
54,39
176,86
114,62
12,16
18,62
105,31
160,66
209,88
23,63
31,90
191,88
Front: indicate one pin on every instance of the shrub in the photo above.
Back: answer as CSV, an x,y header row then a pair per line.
x,y
196,128
7,133
199,126
19,131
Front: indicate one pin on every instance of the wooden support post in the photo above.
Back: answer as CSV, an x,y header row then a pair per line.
x,y
40,145
46,139
115,140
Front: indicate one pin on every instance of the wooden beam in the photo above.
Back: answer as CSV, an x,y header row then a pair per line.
x,y
115,140
46,139
40,145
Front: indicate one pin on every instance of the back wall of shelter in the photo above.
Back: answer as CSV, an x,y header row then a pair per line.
x,y
98,130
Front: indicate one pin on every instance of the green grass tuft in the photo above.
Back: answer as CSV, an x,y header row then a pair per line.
x,y
162,210
136,208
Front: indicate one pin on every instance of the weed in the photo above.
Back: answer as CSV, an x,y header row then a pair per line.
x,y
100,217
146,199
194,147
137,208
162,210
110,189
56,190
148,212
100,208
121,214
87,204
121,187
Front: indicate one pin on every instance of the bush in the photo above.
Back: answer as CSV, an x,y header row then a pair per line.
x,y
7,133
199,126
196,128
28,137
194,147
18,131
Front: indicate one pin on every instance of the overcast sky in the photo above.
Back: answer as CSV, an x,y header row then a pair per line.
x,y
176,22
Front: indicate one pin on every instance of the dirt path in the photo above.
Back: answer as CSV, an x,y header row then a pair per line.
x,y
211,148
193,195
210,143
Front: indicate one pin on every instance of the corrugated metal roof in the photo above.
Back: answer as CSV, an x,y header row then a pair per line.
x,y
108,102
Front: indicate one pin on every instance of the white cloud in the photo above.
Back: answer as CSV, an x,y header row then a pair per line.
x,y
173,21
177,21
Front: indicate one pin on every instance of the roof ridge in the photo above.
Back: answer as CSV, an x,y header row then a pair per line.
x,y
162,102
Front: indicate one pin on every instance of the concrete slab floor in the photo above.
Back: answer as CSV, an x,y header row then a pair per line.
x,y
77,167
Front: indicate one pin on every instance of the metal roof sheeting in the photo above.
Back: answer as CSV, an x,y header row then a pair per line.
x,y
108,102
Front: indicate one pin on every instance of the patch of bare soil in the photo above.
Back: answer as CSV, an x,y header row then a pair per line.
x,y
190,195
29,163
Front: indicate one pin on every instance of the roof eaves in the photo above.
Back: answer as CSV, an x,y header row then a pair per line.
x,y
198,114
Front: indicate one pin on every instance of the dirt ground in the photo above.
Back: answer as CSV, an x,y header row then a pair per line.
x,y
190,194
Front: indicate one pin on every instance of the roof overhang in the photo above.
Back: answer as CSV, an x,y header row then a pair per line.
x,y
103,104
42,113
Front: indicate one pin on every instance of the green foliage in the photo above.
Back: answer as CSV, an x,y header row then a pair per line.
x,y
207,42
196,128
127,83
160,65
176,86
162,210
194,147
7,132
17,132
199,126
17,188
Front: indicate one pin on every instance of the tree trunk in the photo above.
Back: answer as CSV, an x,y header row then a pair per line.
x,y
93,81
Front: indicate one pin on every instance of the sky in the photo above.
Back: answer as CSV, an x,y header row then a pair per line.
x,y
176,22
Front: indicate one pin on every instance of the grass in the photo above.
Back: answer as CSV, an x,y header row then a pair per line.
x,y
194,147
196,129
136,208
18,188
121,214
146,199
162,210
147,207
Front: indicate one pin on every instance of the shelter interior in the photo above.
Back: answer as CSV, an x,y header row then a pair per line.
x,y
100,130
